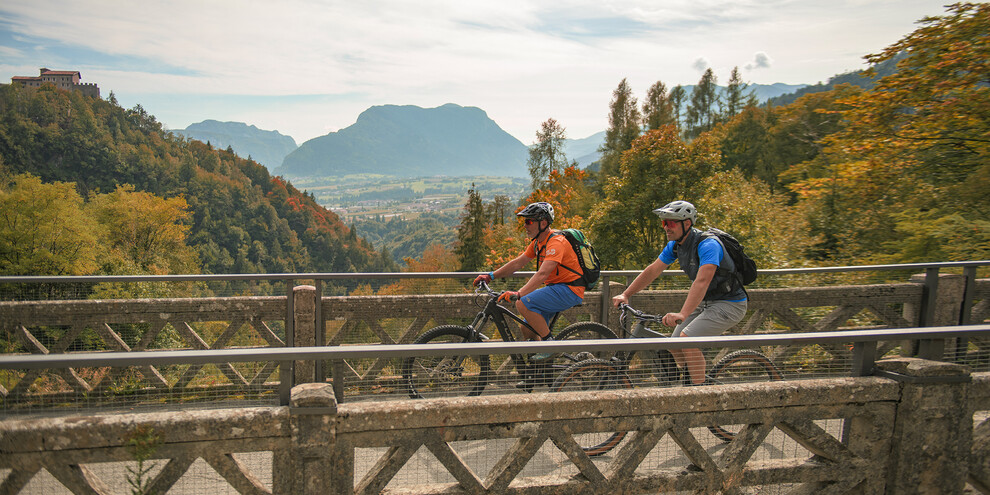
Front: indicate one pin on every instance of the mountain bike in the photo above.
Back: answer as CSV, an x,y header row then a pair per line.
x,y
744,365
468,375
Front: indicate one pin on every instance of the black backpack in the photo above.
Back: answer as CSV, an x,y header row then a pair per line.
x,y
590,265
745,266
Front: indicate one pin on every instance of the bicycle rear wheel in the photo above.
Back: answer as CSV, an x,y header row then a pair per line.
x,y
585,330
445,376
744,365
593,375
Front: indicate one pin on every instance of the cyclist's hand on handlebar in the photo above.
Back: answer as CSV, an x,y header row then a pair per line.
x,y
672,319
619,300
484,277
509,295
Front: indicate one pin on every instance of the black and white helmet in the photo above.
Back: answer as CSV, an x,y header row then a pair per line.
x,y
538,211
678,210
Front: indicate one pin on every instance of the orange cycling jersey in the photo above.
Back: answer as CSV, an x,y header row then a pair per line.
x,y
557,249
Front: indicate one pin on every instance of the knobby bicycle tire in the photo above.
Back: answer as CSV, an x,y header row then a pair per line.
x,y
593,375
445,376
741,366
584,330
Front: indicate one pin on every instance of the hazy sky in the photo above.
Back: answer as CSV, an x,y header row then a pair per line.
x,y
307,68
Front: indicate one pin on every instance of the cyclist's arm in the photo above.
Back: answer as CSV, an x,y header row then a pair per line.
x,y
512,266
539,278
649,274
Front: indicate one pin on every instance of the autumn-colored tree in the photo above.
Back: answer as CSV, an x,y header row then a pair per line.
x,y
566,190
915,145
44,230
143,233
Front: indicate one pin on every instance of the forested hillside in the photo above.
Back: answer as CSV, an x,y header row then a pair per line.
x,y
265,147
235,217
896,170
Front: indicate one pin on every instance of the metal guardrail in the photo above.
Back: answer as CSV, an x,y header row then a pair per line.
x,y
931,280
864,346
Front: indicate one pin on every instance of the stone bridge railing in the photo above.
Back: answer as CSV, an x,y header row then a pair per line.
x,y
910,430
216,323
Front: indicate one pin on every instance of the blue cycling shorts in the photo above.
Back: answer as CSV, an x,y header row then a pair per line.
x,y
551,299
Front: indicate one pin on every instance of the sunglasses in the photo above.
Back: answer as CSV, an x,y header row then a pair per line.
x,y
670,223
530,221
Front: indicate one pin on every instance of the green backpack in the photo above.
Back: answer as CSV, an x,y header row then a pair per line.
x,y
590,265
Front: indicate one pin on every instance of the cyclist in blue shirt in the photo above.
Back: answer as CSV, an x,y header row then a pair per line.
x,y
716,300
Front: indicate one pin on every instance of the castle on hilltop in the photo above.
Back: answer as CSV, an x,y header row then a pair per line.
x,y
62,79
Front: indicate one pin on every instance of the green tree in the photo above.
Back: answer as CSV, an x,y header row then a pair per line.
x,y
470,246
623,128
44,230
547,154
702,112
659,168
677,96
735,96
657,109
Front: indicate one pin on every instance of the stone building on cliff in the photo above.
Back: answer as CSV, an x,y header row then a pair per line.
x,y
62,79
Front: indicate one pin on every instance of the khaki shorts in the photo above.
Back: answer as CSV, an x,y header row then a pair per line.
x,y
711,318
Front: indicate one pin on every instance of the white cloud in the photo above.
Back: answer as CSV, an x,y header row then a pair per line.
x,y
760,61
522,61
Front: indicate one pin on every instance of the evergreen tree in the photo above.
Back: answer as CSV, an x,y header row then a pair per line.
x,y
657,109
702,112
735,97
470,248
623,128
547,154
676,97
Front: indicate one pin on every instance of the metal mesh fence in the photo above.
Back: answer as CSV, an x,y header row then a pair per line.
x,y
217,312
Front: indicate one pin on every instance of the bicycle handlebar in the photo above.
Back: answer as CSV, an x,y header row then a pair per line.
x,y
483,286
639,315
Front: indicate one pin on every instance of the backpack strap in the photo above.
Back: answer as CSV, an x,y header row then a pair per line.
x,y
578,282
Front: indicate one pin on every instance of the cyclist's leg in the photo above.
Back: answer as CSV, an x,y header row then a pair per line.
x,y
539,306
709,319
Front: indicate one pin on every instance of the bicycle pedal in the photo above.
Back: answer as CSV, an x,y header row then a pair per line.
x,y
525,385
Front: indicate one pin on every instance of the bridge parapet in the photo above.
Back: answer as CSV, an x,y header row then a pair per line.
x,y
853,434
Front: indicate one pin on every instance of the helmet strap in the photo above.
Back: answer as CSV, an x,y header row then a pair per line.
x,y
684,230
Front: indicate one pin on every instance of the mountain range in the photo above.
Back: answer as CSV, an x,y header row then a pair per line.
x,y
410,141
265,147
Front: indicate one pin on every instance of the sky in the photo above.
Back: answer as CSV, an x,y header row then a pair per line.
x,y
307,68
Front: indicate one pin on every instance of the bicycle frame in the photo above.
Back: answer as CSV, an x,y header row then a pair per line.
x,y
497,314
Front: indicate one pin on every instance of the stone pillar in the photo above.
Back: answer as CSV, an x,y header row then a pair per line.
x,y
304,326
930,447
312,414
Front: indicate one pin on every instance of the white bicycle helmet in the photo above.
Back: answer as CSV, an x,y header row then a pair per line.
x,y
678,210
538,211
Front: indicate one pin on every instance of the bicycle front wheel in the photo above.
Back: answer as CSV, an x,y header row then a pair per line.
x,y
593,375
741,366
445,376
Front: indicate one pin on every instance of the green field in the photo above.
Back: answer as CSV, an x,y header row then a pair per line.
x,y
363,196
